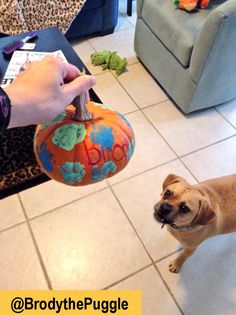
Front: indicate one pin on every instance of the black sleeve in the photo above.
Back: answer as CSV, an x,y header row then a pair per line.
x,y
5,110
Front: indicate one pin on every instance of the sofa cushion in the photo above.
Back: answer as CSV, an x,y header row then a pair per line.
x,y
176,29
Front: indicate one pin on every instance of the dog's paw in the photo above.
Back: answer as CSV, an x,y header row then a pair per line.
x,y
174,266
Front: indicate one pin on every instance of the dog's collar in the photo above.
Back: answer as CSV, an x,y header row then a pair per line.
x,y
182,228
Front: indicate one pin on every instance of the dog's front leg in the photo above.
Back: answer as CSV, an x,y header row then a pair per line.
x,y
176,264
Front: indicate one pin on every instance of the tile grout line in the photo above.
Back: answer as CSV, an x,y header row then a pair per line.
x,y
65,204
191,152
232,125
159,133
188,169
171,294
123,88
13,226
127,92
147,252
127,277
155,104
141,269
36,245
143,172
208,146
168,255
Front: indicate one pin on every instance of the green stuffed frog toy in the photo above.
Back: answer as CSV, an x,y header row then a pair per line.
x,y
99,58
109,60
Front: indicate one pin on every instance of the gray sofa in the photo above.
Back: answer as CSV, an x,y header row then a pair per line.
x,y
192,55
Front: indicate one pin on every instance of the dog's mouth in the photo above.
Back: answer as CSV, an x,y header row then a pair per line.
x,y
171,223
161,219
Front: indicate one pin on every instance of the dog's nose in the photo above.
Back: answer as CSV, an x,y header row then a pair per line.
x,y
165,208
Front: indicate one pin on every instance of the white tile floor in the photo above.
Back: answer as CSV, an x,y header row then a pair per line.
x,y
53,236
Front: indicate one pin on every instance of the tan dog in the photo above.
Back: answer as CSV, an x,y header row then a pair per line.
x,y
194,213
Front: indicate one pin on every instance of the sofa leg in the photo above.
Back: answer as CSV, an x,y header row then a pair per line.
x,y
129,7
107,31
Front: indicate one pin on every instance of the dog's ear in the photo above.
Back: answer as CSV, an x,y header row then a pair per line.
x,y
205,214
172,179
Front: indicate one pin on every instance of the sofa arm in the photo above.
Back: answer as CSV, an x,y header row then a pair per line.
x,y
139,8
215,45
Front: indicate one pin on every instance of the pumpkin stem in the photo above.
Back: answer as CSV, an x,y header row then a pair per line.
x,y
81,111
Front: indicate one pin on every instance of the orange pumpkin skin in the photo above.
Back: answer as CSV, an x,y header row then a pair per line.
x,y
81,153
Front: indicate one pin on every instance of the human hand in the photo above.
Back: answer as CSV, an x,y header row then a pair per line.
x,y
43,91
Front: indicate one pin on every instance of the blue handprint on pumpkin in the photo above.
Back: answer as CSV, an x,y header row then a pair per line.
x,y
72,172
103,137
45,156
101,173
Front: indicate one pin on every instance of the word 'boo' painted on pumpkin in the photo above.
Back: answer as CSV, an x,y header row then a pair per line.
x,y
84,152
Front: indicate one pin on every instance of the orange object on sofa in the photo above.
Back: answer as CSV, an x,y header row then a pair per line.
x,y
190,5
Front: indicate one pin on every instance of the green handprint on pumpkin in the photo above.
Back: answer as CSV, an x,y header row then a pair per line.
x,y
67,136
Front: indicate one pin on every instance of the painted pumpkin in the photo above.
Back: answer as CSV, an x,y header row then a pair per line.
x,y
84,145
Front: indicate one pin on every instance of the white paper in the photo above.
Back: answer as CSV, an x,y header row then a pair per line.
x,y
20,60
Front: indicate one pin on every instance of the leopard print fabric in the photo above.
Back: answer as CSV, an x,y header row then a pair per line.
x,y
18,16
17,160
21,176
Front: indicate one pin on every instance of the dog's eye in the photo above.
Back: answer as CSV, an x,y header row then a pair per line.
x,y
183,208
168,193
